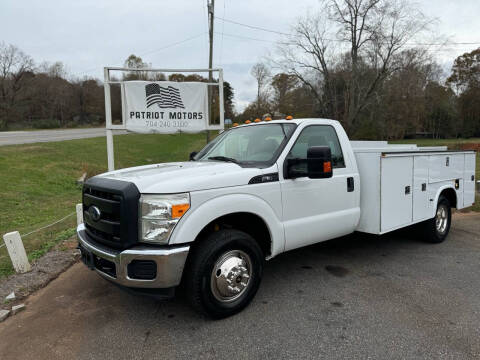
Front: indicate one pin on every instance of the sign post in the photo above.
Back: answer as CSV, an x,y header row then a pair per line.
x,y
162,107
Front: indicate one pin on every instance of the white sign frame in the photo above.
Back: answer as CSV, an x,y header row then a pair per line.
x,y
108,103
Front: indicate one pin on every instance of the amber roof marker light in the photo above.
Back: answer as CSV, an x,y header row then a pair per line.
x,y
234,124
289,117
257,120
247,122
268,119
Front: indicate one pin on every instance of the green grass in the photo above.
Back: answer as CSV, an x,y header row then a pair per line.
x,y
49,244
453,144
38,181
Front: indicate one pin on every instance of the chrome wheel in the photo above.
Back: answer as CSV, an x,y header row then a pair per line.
x,y
231,276
441,219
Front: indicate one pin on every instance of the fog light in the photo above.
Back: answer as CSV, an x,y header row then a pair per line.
x,y
142,270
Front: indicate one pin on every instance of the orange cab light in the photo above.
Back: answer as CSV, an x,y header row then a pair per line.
x,y
289,117
327,167
257,120
247,122
268,119
179,210
234,124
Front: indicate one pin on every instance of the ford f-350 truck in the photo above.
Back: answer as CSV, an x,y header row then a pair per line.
x,y
256,191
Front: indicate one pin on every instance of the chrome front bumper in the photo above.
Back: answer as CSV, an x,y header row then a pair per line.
x,y
170,262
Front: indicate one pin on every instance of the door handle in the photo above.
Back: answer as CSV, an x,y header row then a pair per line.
x,y
350,184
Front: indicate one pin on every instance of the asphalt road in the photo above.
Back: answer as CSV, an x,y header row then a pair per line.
x,y
27,137
390,297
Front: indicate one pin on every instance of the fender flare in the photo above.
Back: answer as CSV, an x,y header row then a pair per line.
x,y
193,222
437,196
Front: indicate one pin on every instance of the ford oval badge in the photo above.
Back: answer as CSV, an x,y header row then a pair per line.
x,y
94,213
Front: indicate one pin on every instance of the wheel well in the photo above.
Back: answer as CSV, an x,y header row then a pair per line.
x,y
250,223
451,196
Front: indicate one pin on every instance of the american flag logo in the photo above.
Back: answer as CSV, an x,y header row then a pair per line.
x,y
165,97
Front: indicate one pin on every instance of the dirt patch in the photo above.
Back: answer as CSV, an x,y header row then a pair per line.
x,y
470,146
44,270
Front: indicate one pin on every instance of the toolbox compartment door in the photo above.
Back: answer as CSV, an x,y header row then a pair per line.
x,y
445,167
469,180
396,192
422,206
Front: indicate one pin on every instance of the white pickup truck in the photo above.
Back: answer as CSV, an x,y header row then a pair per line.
x,y
254,192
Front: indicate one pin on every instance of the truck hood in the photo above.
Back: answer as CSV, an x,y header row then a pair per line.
x,y
188,176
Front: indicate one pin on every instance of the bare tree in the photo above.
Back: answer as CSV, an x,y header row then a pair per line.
x,y
14,66
136,62
54,70
345,52
261,73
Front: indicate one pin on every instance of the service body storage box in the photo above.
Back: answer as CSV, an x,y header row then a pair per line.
x,y
400,184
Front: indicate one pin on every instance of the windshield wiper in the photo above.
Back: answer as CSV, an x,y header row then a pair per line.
x,y
223,158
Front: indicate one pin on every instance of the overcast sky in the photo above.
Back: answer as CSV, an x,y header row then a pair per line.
x,y
89,34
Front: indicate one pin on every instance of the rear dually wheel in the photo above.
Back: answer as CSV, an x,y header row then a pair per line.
x,y
437,229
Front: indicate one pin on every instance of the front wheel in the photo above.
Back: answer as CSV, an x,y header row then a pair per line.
x,y
223,273
436,229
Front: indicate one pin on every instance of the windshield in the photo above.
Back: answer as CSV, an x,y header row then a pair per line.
x,y
257,145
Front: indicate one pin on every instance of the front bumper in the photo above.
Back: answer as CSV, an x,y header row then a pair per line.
x,y
170,262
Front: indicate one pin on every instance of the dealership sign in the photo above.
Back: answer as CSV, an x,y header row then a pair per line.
x,y
165,106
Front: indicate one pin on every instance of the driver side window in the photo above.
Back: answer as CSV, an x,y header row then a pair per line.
x,y
318,135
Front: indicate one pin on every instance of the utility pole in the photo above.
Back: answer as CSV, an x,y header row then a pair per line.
x,y
211,10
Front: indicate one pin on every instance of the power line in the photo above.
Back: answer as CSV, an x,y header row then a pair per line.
x,y
291,43
252,26
255,39
156,50
446,43
172,44
289,34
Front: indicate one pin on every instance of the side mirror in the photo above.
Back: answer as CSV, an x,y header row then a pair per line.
x,y
319,162
193,154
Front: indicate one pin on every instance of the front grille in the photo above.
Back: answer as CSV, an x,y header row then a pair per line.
x,y
117,205
101,236
103,194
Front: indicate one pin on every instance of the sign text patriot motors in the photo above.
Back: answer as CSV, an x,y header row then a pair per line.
x,y
165,106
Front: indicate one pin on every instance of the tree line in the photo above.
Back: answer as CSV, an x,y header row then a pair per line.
x,y
43,96
360,62
46,96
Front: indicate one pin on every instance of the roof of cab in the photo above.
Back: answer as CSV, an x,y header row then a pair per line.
x,y
295,121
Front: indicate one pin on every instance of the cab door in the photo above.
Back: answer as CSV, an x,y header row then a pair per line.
x,y
319,209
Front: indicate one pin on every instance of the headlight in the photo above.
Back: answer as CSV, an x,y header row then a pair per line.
x,y
159,214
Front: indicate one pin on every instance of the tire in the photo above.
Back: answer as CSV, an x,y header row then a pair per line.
x,y
224,258
437,229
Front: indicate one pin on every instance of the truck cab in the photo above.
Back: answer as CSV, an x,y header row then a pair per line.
x,y
255,191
